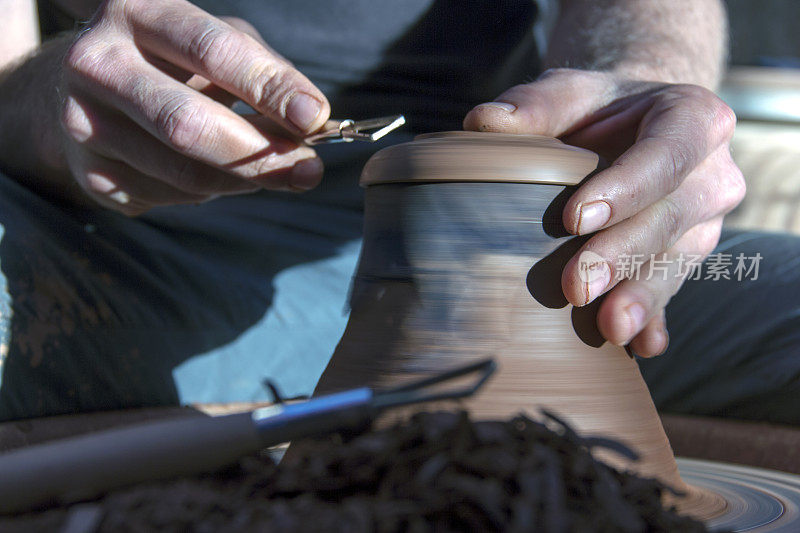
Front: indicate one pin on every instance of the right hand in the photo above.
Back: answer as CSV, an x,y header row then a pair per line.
x,y
143,118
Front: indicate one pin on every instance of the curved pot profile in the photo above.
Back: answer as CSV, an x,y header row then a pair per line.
x,y
462,258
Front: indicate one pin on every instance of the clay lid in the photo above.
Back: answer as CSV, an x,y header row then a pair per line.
x,y
478,156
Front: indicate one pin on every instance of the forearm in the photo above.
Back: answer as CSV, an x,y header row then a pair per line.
x,y
28,99
676,41
30,150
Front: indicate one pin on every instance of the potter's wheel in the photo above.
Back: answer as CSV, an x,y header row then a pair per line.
x,y
758,500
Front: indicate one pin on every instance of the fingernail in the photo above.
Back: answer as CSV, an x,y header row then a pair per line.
x,y
508,108
302,110
593,216
120,197
600,279
102,185
635,314
306,174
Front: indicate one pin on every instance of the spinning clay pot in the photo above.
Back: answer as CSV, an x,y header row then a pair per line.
x,y
462,258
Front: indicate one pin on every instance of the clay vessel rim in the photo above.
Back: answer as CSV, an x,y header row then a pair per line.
x,y
468,156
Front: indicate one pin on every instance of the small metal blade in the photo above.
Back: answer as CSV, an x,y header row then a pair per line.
x,y
369,130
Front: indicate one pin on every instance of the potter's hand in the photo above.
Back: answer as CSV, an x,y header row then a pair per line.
x,y
670,182
144,114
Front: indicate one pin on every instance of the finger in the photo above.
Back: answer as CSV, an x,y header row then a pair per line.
x,y
634,302
653,340
188,122
117,186
305,174
559,102
712,190
682,128
115,136
232,60
194,81
201,84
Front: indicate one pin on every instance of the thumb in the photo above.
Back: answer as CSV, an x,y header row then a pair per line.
x,y
559,102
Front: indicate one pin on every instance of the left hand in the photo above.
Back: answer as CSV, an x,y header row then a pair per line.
x,y
670,182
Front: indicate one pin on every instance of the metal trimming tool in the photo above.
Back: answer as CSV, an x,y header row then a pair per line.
x,y
345,131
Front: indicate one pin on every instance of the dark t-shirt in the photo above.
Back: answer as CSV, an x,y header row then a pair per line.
x,y
430,60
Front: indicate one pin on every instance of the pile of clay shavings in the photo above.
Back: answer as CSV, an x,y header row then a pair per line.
x,y
436,471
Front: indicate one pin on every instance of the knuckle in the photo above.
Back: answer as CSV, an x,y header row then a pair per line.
x,y
94,61
716,116
210,44
694,97
271,173
270,87
724,118
734,188
272,164
82,55
670,219
603,247
181,123
680,159
264,167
